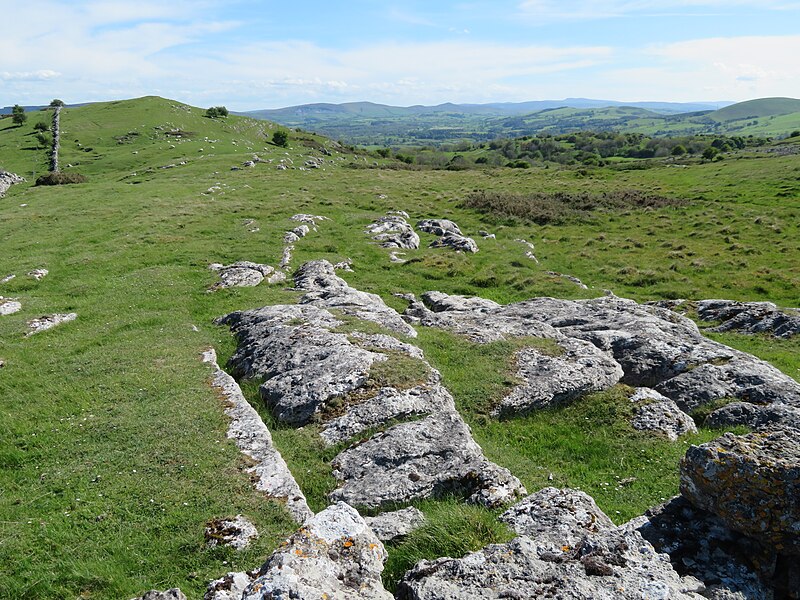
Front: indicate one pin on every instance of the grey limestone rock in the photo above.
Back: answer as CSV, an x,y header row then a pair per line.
x,y
270,472
38,274
699,544
310,220
301,362
48,322
549,381
7,180
568,550
655,412
9,306
655,347
334,555
754,416
752,483
236,532
570,278
744,317
230,586
393,231
388,404
171,594
325,289
241,274
431,457
396,524
438,227
457,242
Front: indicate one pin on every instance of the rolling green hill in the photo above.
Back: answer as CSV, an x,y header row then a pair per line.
x,y
113,447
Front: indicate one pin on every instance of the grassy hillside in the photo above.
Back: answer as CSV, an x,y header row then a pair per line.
x,y
113,452
752,109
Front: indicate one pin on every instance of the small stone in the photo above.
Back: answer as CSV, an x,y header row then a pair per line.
x,y
48,322
236,532
9,306
38,274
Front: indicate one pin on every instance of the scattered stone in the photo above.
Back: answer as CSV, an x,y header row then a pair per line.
x,y
345,265
435,456
457,242
301,231
438,226
249,163
7,278
334,555
550,381
486,235
327,290
389,526
655,412
236,532
172,594
752,482
395,257
310,220
242,274
567,548
393,231
530,251
574,280
38,274
7,180
9,306
252,437
700,545
48,322
286,258
2,363
229,587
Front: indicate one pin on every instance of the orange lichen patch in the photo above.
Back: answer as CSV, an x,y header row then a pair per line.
x,y
373,546
347,543
565,548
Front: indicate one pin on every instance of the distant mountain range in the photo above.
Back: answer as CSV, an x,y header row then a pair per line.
x,y
379,124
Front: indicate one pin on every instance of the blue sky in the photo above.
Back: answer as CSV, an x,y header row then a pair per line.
x,y
265,54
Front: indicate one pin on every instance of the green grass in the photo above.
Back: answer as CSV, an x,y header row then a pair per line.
x,y
102,415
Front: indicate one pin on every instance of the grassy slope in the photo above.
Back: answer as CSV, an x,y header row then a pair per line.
x,y
113,447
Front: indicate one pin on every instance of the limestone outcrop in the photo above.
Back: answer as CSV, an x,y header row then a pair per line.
x,y
752,483
393,231
7,180
244,274
334,555
236,532
9,306
48,322
396,524
450,235
570,550
655,412
655,347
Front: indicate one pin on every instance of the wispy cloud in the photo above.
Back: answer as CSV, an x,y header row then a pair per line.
x,y
549,10
43,75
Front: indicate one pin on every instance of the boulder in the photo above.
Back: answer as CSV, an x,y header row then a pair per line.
x,y
48,322
435,456
334,555
752,482
743,317
236,532
393,231
655,412
699,544
269,471
325,289
396,524
438,227
549,381
240,274
7,180
457,242
568,549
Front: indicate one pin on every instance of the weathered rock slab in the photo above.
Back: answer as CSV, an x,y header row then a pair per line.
x,y
49,321
244,274
457,242
432,457
171,594
550,381
325,289
393,231
438,227
396,524
9,306
271,474
7,180
754,416
752,482
334,555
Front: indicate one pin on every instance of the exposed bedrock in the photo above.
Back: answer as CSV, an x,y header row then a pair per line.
x,y
567,548
655,347
7,180
393,231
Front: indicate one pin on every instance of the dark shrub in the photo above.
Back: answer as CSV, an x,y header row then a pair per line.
x,y
60,178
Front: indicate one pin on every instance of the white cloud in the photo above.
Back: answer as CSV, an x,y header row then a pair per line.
x,y
43,75
552,10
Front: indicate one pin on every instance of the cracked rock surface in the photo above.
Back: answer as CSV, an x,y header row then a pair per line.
x,y
396,524
393,231
655,412
244,274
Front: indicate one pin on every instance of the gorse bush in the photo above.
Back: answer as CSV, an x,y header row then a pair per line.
x,y
60,178
216,111
280,138
542,208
